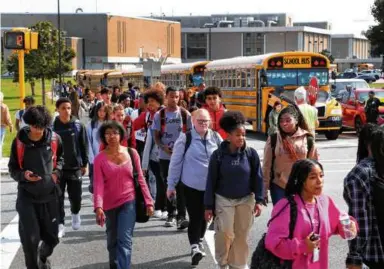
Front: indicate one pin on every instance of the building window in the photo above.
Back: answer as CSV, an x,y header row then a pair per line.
x,y
253,44
196,46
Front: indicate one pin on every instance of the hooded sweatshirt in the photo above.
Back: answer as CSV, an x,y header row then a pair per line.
x,y
233,178
37,159
75,143
215,118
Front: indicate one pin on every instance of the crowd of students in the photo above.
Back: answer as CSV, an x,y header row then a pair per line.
x,y
193,166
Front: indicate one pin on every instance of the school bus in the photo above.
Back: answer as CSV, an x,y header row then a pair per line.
x,y
185,75
365,66
253,84
134,76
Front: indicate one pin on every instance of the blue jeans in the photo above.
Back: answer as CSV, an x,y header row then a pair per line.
x,y
152,184
2,134
120,223
277,193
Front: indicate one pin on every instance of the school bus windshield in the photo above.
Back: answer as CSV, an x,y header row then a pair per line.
x,y
296,77
322,96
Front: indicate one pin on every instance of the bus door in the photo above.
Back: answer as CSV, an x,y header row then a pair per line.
x,y
261,82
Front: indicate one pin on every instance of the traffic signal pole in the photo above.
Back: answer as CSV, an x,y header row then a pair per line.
x,y
21,77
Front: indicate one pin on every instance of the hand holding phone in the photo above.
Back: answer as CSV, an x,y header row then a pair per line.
x,y
31,176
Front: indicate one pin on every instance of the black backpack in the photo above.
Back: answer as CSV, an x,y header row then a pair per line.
x,y
263,258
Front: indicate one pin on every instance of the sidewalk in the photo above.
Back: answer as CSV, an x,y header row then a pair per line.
x,y
4,165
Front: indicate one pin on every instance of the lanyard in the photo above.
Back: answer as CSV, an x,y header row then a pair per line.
x,y
309,215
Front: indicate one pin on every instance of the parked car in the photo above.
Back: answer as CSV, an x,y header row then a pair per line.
x,y
341,84
372,73
353,107
368,78
348,75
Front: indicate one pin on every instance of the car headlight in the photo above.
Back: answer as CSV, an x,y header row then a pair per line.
x,y
336,111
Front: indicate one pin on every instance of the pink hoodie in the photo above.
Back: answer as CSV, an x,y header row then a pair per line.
x,y
277,240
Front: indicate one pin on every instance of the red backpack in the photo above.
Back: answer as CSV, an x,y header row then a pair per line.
x,y
20,147
183,113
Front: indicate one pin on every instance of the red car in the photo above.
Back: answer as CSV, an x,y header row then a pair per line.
x,y
353,104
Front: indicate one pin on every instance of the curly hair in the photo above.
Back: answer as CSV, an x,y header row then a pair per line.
x,y
365,139
114,125
38,116
212,91
299,174
156,94
295,112
231,120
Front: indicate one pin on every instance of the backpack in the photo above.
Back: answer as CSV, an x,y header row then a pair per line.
x,y
20,148
21,113
183,113
188,140
141,208
310,143
263,258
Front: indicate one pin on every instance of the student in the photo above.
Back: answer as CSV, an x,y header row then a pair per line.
x,y
234,192
28,101
372,107
6,121
106,95
273,118
215,108
168,123
114,199
75,144
35,163
361,196
317,219
309,112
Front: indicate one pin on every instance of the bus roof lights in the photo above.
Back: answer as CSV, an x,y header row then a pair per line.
x,y
278,63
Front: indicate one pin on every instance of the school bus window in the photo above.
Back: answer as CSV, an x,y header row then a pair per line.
x,y
305,75
243,78
226,83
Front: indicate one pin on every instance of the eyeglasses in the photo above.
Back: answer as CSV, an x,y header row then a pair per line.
x,y
112,133
199,121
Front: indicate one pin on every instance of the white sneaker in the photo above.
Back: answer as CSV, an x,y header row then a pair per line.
x,y
76,221
61,230
164,215
158,214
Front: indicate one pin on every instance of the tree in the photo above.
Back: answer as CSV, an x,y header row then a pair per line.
x,y
328,54
375,33
43,62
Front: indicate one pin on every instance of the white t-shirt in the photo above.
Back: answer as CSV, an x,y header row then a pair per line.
x,y
139,134
21,120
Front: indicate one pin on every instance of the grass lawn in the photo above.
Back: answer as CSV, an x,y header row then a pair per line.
x,y
12,100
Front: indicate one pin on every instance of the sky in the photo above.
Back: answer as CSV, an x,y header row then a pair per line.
x,y
346,16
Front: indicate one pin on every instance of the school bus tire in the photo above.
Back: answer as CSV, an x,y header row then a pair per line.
x,y
332,135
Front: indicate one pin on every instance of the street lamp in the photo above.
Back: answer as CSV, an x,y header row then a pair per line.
x,y
59,31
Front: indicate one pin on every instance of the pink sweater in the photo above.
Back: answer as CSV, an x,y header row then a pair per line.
x,y
114,184
277,240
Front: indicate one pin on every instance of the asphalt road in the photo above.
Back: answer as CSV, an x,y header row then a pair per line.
x,y
154,245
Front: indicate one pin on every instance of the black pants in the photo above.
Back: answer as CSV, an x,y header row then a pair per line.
x,y
195,207
90,174
161,200
372,118
180,199
140,145
373,265
37,221
72,181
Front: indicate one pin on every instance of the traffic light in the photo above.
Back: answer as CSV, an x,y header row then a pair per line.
x,y
21,40
14,40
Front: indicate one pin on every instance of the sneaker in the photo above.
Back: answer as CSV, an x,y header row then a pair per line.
x,y
158,214
171,222
61,230
41,264
182,223
76,221
201,247
211,226
196,255
164,215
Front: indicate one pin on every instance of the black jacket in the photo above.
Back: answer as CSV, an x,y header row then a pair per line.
x,y
38,159
74,138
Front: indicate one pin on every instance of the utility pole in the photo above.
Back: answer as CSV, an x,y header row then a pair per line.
x,y
59,31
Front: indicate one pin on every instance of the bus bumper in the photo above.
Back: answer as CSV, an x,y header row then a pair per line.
x,y
330,123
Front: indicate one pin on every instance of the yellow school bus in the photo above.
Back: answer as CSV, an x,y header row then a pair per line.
x,y
365,66
134,76
252,85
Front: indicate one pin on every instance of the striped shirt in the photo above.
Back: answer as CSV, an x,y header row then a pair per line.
x,y
358,196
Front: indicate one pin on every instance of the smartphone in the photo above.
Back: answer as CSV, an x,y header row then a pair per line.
x,y
314,237
33,175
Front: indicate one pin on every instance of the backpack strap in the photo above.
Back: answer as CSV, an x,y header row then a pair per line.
x,y
20,152
273,138
134,169
188,140
162,121
217,139
54,146
310,143
129,130
183,113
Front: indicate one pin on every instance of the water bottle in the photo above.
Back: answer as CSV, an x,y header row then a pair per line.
x,y
346,223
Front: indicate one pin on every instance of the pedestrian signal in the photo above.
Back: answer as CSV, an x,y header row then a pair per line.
x,y
14,40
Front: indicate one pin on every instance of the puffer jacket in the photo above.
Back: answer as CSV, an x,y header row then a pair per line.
x,y
283,162
215,118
